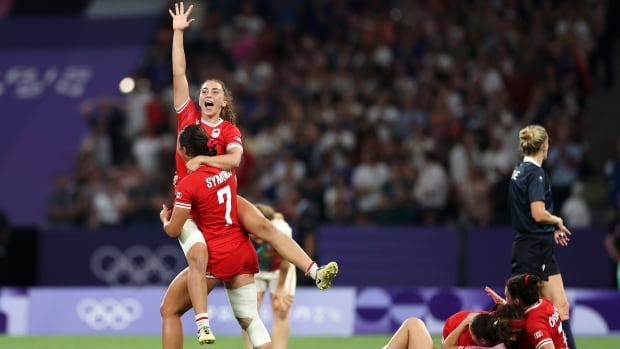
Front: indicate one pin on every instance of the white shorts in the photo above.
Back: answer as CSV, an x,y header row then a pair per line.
x,y
269,280
190,235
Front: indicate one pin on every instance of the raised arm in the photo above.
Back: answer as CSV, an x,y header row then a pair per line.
x,y
180,22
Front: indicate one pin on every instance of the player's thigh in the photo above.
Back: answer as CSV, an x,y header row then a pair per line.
x,y
191,235
176,299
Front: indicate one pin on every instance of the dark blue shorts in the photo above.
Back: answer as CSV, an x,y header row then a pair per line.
x,y
534,254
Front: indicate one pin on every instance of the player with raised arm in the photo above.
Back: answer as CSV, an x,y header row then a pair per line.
x,y
208,195
217,116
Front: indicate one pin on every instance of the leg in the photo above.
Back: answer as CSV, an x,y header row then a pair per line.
x,y
259,302
281,308
412,334
254,222
553,289
193,244
241,293
175,303
281,325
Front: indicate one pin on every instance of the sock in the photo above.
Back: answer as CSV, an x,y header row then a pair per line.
x,y
202,319
570,340
311,270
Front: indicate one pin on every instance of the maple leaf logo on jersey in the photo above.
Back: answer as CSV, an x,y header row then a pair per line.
x,y
178,195
538,334
216,132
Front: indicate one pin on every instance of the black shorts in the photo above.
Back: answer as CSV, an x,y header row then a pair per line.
x,y
534,254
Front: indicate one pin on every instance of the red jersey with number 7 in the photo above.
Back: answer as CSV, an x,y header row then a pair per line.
x,y
211,196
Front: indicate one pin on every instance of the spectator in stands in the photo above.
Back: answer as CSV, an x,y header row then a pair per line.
x,y
413,82
563,163
575,208
612,246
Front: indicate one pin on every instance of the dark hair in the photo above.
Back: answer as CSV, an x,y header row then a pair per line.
x,y
194,138
510,320
525,287
484,326
228,112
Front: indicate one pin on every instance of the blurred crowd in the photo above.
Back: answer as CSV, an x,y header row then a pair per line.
x,y
356,111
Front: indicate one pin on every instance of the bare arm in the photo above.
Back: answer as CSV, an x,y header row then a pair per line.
x,y
542,216
613,253
228,161
451,341
174,224
180,22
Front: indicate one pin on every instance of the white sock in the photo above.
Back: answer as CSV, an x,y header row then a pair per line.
x,y
202,319
311,271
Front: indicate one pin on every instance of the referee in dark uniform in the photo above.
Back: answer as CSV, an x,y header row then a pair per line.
x,y
537,228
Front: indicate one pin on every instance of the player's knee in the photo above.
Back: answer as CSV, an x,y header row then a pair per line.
x,y
197,255
564,310
167,309
280,313
243,302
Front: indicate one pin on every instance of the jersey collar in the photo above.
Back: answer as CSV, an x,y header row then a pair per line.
x,y
531,159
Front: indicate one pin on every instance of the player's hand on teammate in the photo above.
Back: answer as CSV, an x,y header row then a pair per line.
x,y
494,296
193,164
180,20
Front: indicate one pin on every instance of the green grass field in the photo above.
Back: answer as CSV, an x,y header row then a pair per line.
x,y
150,342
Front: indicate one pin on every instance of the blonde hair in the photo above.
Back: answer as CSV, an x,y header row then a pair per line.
x,y
531,139
266,210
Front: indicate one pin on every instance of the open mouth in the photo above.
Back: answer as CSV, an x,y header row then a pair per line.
x,y
208,104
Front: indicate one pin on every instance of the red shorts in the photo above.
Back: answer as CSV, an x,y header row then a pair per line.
x,y
232,258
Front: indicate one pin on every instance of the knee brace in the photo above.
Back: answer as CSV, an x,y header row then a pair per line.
x,y
244,305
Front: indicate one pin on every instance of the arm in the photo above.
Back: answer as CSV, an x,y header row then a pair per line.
x,y
494,296
610,246
228,161
451,342
283,297
180,22
542,216
173,223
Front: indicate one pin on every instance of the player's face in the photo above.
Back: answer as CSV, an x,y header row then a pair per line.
x,y
513,337
545,149
212,98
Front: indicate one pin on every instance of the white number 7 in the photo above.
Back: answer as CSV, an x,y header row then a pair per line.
x,y
225,196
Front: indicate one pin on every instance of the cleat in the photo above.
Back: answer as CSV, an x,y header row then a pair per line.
x,y
205,335
325,274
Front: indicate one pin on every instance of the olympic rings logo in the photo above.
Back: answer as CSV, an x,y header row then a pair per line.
x,y
138,265
109,313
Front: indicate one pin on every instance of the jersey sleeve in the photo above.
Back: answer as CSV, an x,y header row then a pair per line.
x,y
536,185
183,194
186,114
537,333
233,138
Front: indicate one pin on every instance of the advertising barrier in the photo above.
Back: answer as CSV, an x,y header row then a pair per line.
x,y
135,311
340,311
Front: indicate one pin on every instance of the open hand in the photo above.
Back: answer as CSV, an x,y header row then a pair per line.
x,y
179,16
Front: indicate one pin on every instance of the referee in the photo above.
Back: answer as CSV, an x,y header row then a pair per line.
x,y
531,207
